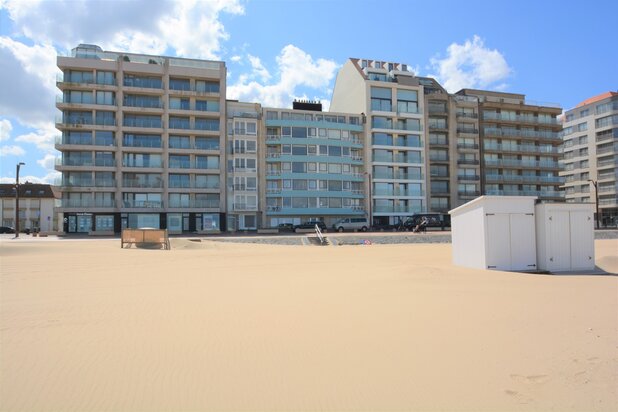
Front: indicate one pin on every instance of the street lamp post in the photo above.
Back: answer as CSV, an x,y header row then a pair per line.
x,y
17,198
596,198
370,200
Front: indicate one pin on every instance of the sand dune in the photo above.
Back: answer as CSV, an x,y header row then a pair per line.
x,y
87,326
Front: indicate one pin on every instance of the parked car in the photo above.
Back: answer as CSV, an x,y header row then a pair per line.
x,y
7,229
311,225
285,227
435,220
351,223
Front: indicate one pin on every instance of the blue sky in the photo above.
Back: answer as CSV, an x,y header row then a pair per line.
x,y
552,51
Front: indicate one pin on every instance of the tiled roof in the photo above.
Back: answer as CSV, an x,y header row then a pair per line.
x,y
26,190
597,98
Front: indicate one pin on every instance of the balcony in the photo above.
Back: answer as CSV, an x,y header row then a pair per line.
x,y
468,177
84,141
467,130
74,203
398,176
142,185
468,115
520,148
520,118
396,209
105,162
472,146
438,158
195,204
542,193
468,162
142,204
144,123
152,165
244,206
397,192
522,163
468,193
533,134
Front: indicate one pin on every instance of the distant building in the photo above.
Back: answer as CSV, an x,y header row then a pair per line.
x,y
142,142
244,132
36,206
590,133
391,99
313,164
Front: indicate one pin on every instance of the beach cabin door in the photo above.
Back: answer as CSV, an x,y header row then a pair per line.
x,y
511,243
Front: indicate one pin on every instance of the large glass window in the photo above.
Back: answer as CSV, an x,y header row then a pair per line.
x,y
407,101
381,99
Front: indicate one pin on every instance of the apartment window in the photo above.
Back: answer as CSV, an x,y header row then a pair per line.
x,y
407,101
210,143
207,124
74,76
177,103
582,127
179,142
140,140
203,86
108,78
180,84
137,100
299,167
584,113
105,98
270,115
381,99
147,82
104,138
73,96
299,150
207,105
378,122
131,120
105,118
299,132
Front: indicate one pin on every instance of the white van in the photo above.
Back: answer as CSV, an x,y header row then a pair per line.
x,y
351,223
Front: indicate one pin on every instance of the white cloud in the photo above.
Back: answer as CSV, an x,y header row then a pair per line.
x,y
236,58
5,129
11,151
43,138
47,162
28,92
48,178
296,69
471,65
191,27
258,68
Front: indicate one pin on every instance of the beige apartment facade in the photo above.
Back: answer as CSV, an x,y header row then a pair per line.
x,y
143,141
520,145
590,135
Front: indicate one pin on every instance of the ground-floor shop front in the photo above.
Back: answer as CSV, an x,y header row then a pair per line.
x,y
109,223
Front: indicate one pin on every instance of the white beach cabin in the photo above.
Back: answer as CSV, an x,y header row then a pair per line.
x,y
495,232
565,236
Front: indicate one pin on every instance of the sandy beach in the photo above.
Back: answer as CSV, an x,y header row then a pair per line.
x,y
87,326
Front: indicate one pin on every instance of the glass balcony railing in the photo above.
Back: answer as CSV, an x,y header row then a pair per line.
x,y
541,193
194,203
519,118
538,134
521,163
520,148
148,123
153,204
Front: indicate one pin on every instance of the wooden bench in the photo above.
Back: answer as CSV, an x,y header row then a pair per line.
x,y
147,237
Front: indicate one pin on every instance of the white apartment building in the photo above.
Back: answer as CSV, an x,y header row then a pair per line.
x,y
590,135
143,142
391,98
243,137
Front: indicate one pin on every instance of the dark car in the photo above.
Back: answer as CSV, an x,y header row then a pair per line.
x,y
7,229
285,227
311,225
434,220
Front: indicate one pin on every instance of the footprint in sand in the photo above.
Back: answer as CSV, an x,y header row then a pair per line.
x,y
531,378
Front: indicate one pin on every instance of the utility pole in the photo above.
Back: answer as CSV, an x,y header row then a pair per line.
x,y
17,198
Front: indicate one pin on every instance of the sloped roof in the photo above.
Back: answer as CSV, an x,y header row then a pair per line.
x,y
28,190
597,98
